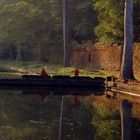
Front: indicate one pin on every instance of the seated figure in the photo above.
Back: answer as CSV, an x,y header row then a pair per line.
x,y
44,74
76,72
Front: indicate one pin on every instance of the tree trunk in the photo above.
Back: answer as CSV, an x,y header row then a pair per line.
x,y
19,54
11,53
127,59
65,34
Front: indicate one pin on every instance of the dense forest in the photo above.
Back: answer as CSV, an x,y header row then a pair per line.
x,y
31,29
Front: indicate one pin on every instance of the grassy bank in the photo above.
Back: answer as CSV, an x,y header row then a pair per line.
x,y
35,68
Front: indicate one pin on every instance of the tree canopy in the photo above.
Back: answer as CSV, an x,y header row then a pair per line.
x,y
33,27
38,24
110,20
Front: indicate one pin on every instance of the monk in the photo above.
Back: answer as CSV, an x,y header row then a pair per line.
x,y
75,99
76,72
42,96
44,74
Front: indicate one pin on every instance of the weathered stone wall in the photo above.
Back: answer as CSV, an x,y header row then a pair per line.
x,y
79,57
136,59
108,58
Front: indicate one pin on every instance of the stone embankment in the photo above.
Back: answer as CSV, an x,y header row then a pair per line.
x,y
129,87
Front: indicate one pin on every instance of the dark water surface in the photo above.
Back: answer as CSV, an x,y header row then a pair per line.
x,y
43,117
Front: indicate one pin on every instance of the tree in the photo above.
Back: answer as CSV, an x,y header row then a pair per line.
x,y
127,59
83,19
110,21
35,26
65,33
31,25
110,29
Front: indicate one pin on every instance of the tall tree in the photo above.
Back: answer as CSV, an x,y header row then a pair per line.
x,y
127,59
65,33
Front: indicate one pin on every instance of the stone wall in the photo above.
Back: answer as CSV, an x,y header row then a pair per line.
x,y
136,59
108,58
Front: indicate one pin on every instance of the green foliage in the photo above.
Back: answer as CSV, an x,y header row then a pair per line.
x,y
75,44
82,19
30,26
29,29
36,26
110,20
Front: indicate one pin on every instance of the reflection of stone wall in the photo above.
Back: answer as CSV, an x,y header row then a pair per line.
x,y
97,57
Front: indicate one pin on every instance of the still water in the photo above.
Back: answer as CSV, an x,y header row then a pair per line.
x,y
50,117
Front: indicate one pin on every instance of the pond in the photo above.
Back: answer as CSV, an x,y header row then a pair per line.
x,y
29,116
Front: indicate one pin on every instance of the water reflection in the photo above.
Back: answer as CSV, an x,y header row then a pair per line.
x,y
106,123
36,116
24,116
129,111
125,111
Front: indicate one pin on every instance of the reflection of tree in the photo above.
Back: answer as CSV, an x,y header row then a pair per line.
x,y
135,129
106,123
77,121
83,116
24,117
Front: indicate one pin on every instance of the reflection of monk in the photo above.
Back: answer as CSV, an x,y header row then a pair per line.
x,y
76,72
44,74
75,99
42,96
